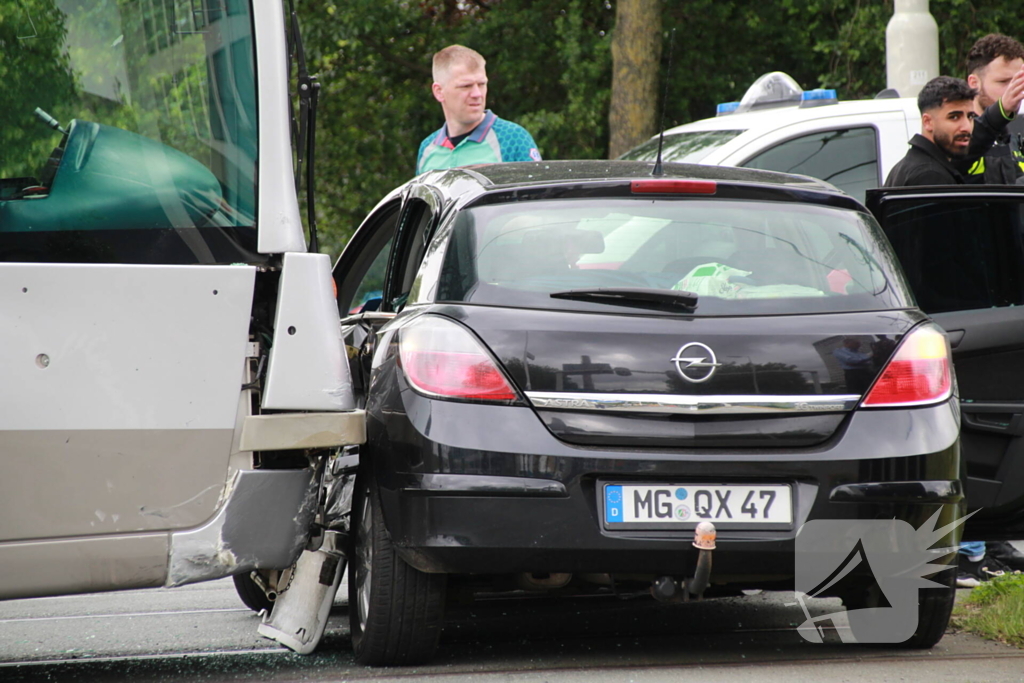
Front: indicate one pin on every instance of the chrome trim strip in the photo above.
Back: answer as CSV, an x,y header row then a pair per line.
x,y
483,485
703,405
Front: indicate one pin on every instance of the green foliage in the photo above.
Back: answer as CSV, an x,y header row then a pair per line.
x,y
549,63
995,610
575,127
549,67
32,36
1008,586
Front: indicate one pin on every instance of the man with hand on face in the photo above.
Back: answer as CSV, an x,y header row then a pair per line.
x,y
471,133
947,120
995,68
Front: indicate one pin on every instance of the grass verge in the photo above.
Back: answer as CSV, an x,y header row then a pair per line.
x,y
994,610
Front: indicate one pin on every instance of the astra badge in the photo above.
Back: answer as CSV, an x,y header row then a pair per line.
x,y
695,362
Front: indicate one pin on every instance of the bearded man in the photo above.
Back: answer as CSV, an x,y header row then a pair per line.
x,y
947,121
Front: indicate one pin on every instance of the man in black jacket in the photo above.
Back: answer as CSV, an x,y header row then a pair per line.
x,y
947,120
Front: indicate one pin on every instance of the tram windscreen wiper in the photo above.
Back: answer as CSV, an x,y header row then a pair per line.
x,y
637,297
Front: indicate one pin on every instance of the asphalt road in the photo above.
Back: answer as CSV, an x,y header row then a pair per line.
x,y
203,633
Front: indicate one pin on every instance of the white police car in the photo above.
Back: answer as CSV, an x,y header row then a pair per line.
x,y
777,126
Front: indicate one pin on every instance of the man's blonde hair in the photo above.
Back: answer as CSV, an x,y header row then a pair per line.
x,y
445,59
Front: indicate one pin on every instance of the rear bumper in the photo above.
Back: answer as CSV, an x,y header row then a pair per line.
x,y
451,504
492,534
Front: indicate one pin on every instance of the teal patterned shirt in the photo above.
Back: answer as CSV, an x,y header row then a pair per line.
x,y
494,140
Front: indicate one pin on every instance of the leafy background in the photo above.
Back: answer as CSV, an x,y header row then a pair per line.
x,y
549,62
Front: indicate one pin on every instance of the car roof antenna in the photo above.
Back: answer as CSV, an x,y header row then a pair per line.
x,y
664,102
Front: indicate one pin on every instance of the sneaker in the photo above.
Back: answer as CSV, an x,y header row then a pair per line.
x,y
1005,553
965,580
984,569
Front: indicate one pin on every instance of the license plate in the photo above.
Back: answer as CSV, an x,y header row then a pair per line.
x,y
647,505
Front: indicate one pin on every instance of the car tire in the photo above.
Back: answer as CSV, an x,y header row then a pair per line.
x,y
934,608
252,595
395,611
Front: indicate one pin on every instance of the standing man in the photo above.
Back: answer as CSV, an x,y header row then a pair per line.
x,y
471,134
947,120
995,68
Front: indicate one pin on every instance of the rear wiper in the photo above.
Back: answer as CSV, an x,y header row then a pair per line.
x,y
656,299
869,259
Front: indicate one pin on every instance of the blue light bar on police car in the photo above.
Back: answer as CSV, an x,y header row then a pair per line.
x,y
726,108
818,97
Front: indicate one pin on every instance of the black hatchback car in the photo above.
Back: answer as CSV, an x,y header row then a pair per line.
x,y
566,366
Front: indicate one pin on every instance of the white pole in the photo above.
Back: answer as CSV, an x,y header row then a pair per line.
x,y
911,47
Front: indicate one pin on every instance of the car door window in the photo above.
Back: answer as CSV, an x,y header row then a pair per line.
x,y
417,228
360,272
847,158
371,288
960,255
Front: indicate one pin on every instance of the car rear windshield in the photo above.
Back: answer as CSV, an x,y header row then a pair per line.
x,y
689,147
739,257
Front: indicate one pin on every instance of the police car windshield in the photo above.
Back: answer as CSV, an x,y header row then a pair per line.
x,y
689,147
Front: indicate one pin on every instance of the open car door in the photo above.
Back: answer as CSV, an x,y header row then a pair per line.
x,y
962,249
376,275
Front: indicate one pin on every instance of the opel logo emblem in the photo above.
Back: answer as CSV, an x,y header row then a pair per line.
x,y
695,362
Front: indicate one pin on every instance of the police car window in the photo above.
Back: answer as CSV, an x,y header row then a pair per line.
x,y
847,158
960,255
690,147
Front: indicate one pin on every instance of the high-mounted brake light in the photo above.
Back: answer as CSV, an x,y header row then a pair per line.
x,y
918,373
669,186
441,358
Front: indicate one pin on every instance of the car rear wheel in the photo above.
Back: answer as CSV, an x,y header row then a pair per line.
x,y
395,611
934,607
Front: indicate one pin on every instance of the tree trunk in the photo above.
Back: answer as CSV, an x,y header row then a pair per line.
x,y
636,56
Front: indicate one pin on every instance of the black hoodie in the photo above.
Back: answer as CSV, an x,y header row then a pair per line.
x,y
925,164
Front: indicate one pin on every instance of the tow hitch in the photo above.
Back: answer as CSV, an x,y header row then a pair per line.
x,y
668,589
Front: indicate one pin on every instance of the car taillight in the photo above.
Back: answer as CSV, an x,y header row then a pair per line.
x,y
673,186
918,373
441,358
